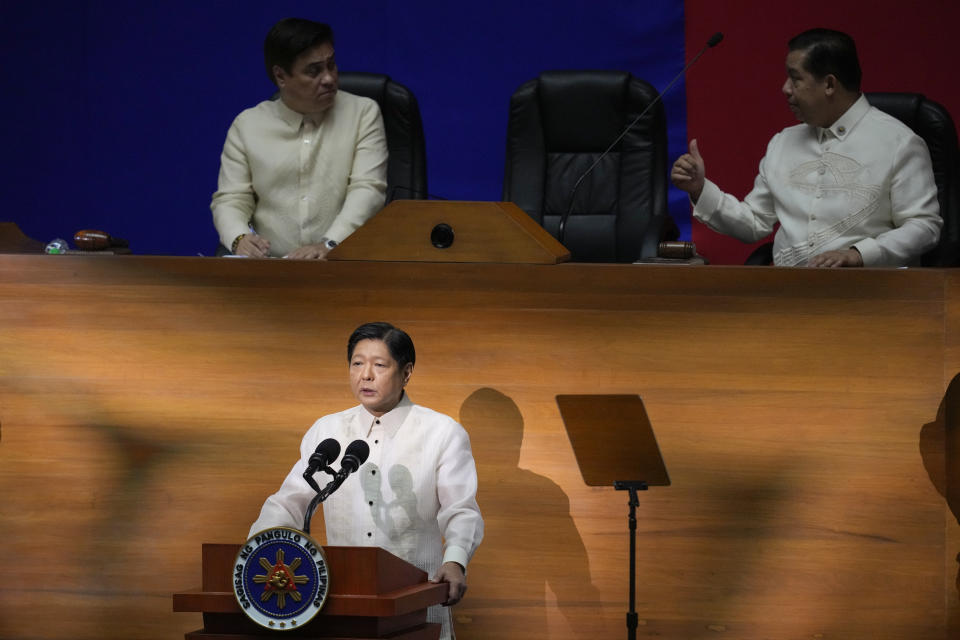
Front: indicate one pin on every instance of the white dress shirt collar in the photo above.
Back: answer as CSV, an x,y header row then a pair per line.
x,y
295,119
845,123
391,421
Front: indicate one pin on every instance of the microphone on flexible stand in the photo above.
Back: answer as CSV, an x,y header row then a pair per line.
x,y
356,454
712,42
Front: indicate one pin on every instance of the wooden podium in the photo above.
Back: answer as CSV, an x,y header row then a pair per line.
x,y
373,594
450,231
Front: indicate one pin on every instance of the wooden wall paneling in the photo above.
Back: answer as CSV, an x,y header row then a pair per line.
x,y
149,404
941,449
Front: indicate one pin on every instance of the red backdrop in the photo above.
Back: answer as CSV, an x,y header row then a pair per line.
x,y
734,104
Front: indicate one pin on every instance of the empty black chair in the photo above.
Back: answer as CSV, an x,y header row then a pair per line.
x,y
559,125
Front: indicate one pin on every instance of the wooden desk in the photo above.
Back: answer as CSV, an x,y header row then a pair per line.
x,y
150,404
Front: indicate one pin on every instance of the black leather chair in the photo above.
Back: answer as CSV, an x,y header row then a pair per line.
x,y
932,122
559,125
407,166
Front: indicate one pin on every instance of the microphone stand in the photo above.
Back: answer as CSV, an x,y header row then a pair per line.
x,y
634,502
352,460
322,494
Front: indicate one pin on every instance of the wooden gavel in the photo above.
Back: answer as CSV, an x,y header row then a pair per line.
x,y
92,240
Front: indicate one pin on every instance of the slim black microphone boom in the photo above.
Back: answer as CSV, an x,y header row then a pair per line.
x,y
712,42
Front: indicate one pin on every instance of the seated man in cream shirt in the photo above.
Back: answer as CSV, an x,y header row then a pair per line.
x,y
850,187
301,173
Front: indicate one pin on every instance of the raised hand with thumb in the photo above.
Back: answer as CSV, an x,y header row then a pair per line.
x,y
689,172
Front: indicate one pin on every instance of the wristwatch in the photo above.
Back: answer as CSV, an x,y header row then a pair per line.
x,y
328,243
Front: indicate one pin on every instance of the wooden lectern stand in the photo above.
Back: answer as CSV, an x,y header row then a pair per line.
x,y
450,231
373,594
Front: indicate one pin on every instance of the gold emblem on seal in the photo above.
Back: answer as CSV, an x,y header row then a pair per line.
x,y
280,580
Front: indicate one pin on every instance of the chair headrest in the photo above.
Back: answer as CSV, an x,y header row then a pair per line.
x,y
582,110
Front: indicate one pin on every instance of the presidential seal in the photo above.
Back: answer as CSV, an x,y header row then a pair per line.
x,y
280,578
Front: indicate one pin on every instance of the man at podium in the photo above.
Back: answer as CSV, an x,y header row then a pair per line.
x,y
299,174
416,493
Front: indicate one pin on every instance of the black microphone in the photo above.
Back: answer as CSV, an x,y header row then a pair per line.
x,y
356,454
712,42
325,453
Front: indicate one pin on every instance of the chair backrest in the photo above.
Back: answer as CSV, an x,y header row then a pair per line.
x,y
932,122
407,165
559,125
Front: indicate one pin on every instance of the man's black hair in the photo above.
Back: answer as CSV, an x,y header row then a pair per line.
x,y
398,342
289,38
829,52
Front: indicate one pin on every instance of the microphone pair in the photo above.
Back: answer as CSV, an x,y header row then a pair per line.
x,y
327,452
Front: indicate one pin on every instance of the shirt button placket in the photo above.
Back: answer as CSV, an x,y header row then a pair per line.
x,y
375,459
307,132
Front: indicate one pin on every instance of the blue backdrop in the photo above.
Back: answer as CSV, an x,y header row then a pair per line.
x,y
116,111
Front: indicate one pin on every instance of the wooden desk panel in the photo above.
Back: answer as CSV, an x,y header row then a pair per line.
x,y
150,404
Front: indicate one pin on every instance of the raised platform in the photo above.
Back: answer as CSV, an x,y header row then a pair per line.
x,y
148,404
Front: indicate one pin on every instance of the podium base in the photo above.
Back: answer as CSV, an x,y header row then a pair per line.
x,y
429,631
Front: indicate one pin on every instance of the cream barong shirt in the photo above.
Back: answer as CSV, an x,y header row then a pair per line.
x,y
415,496
295,179
865,182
